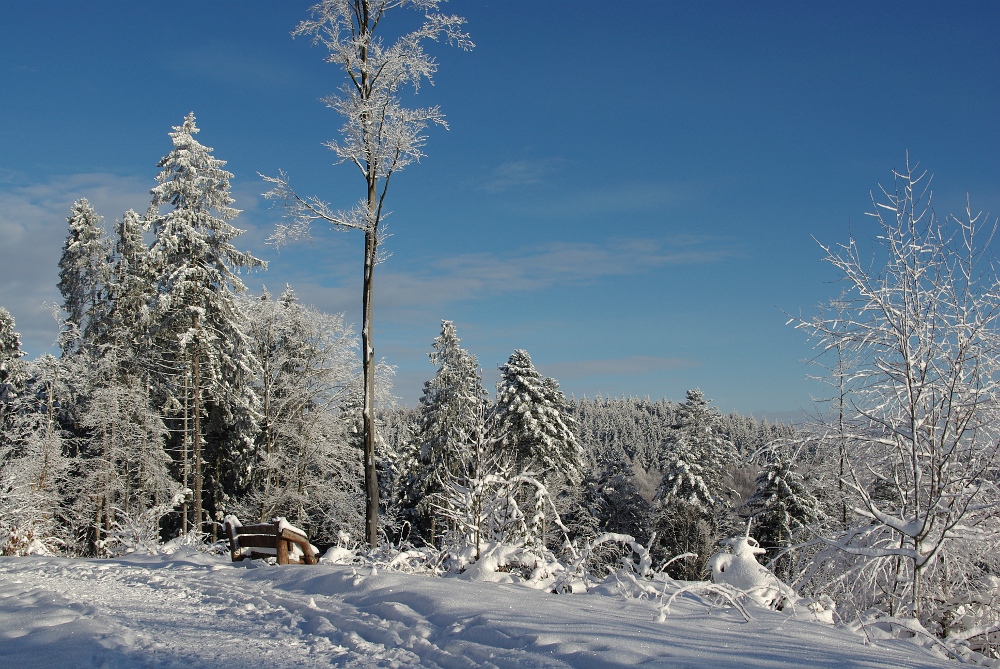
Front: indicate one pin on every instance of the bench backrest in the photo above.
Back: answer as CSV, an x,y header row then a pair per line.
x,y
275,539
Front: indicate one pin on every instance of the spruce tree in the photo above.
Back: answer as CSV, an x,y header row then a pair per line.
x,y
10,345
84,269
449,410
450,403
197,320
699,436
131,284
11,376
781,506
684,481
534,421
690,499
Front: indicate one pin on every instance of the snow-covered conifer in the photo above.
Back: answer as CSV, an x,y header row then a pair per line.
x,y
83,269
131,284
34,463
692,494
699,434
534,421
10,349
684,481
196,318
781,506
696,455
449,407
450,402
11,376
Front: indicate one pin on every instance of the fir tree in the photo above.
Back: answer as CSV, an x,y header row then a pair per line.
x,y
699,435
34,462
692,493
684,481
781,506
10,349
11,376
449,408
535,423
197,320
131,283
84,269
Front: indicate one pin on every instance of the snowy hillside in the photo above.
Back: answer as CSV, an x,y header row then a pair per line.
x,y
192,610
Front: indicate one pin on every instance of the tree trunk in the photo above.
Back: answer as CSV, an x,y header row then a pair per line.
x,y
368,415
196,387
368,351
184,457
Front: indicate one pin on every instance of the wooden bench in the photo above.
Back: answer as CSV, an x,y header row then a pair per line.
x,y
278,539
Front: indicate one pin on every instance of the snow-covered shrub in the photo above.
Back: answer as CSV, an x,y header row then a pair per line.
x,y
24,539
139,532
738,567
579,577
489,533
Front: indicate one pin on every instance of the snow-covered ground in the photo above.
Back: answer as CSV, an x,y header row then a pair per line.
x,y
193,610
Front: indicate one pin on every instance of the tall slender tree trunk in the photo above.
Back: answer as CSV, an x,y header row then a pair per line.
x,y
368,350
185,454
49,431
368,415
196,383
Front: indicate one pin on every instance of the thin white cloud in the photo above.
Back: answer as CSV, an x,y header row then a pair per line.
x,y
614,199
16,68
518,174
404,292
226,63
479,275
33,229
32,233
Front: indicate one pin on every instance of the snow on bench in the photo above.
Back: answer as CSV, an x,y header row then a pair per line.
x,y
278,539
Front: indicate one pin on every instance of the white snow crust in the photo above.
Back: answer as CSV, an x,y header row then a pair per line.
x,y
194,610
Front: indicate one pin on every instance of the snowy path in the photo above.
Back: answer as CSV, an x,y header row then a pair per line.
x,y
198,611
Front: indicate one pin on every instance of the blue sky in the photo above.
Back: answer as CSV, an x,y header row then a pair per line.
x,y
628,191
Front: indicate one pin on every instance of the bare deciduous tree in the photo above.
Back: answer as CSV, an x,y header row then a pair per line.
x,y
380,137
917,344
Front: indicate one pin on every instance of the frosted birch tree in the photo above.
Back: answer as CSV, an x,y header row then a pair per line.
x,y
305,466
916,337
380,136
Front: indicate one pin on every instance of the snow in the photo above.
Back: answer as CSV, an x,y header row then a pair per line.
x,y
741,570
195,610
